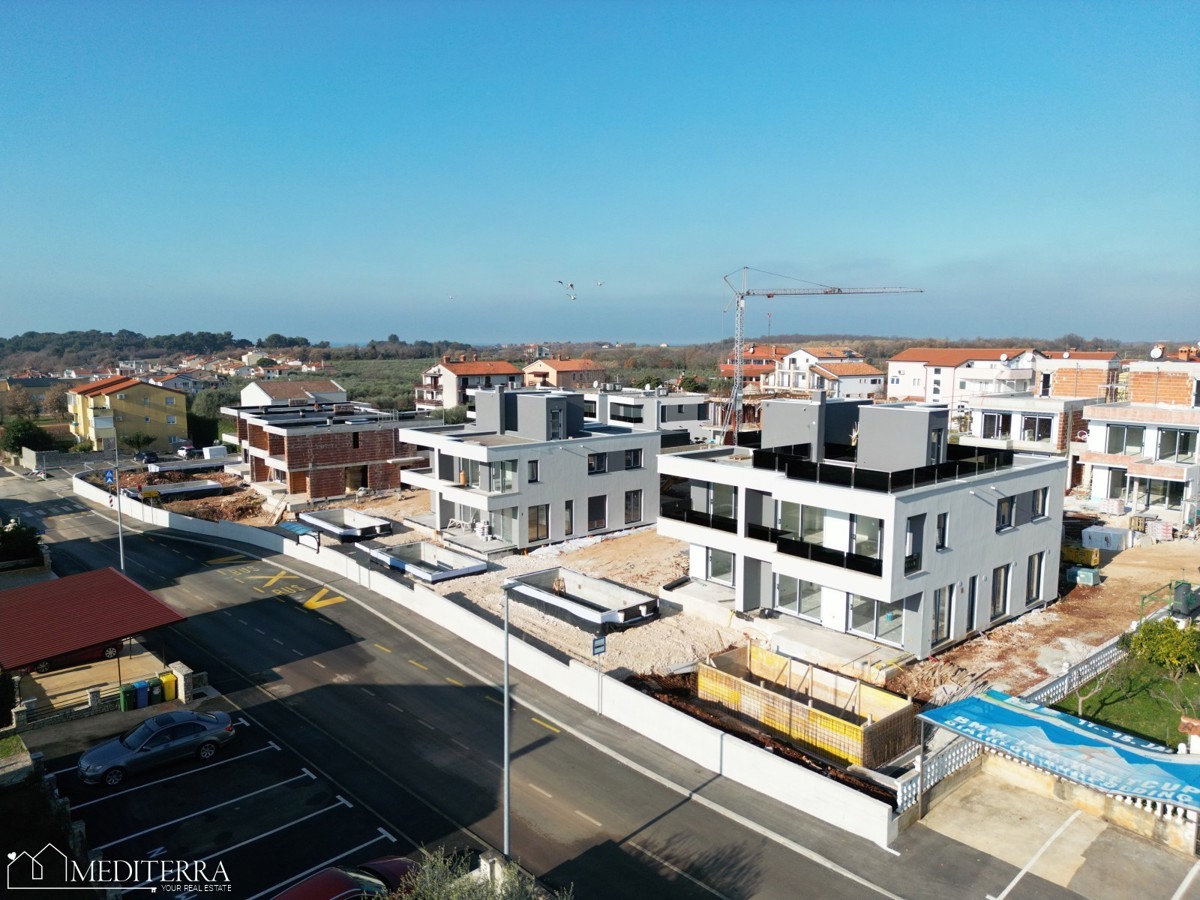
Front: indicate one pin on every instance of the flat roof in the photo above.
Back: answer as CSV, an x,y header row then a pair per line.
x,y
44,620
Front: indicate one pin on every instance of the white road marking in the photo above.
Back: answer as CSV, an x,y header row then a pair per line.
x,y
271,746
426,724
321,664
1178,895
367,691
275,889
127,837
584,815
460,743
1033,861
678,871
276,640
541,791
395,707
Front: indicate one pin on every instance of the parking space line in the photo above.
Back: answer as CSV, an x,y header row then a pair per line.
x,y
270,746
426,724
367,691
395,707
588,818
341,802
271,787
61,771
275,889
546,725
383,648
1178,895
321,664
1033,861
460,743
663,862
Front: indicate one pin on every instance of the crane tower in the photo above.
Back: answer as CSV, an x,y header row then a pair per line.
x,y
733,414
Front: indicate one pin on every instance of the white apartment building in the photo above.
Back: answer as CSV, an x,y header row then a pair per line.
x,y
453,383
838,371
865,520
956,375
652,409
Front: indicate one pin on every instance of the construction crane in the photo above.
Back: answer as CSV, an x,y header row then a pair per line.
x,y
734,412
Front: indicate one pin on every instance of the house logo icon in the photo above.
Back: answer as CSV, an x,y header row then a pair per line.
x,y
47,869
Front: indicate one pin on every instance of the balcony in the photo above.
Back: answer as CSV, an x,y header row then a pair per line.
x,y
971,462
681,511
841,558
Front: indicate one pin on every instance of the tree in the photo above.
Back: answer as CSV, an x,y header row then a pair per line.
x,y
138,440
24,433
1165,644
57,402
448,876
19,404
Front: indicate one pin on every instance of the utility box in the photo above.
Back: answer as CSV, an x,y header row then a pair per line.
x,y
1083,575
1185,599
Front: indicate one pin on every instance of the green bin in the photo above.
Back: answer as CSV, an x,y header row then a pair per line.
x,y
155,687
127,695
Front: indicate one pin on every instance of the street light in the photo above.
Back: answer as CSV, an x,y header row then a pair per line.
x,y
117,487
507,737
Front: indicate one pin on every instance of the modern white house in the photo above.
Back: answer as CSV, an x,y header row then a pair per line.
x,y
650,409
838,371
865,520
530,471
453,383
956,375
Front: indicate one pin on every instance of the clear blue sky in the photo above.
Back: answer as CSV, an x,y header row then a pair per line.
x,y
339,169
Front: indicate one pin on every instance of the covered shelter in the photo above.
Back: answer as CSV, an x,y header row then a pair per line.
x,y
54,618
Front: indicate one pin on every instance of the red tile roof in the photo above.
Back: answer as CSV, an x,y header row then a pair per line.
x,y
567,365
481,367
955,356
105,385
832,352
56,617
848,369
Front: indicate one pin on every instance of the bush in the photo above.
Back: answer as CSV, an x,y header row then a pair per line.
x,y
1166,644
18,541
25,433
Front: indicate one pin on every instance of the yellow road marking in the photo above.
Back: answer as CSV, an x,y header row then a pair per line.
x,y
271,579
418,665
317,600
237,557
547,725
383,648
459,683
494,700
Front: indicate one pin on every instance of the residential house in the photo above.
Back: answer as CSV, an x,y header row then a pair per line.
x,y
1141,451
759,362
568,374
656,409
453,383
794,371
120,406
863,519
306,444
178,381
531,471
292,393
956,375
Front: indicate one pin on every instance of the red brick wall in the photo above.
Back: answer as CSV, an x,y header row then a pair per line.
x,y
327,483
258,437
324,459
1174,388
275,444
1081,382
297,483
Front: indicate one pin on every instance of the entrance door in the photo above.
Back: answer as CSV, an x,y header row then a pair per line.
x,y
1116,482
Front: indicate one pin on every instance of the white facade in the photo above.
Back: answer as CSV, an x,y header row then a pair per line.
x,y
962,377
651,410
917,558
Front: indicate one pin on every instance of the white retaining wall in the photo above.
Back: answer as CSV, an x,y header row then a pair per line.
x,y
709,747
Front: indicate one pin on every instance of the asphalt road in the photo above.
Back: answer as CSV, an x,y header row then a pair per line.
x,y
406,720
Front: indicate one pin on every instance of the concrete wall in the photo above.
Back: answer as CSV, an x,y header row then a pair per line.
x,y
49,459
894,438
718,752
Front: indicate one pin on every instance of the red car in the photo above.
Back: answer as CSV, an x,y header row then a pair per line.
x,y
370,879
109,650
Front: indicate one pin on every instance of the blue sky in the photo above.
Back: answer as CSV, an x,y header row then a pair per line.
x,y
339,170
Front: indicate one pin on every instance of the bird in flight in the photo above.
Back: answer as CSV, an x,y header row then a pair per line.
x,y
599,284
569,285
570,296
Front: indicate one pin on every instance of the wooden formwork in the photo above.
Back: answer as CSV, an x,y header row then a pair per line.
x,y
835,716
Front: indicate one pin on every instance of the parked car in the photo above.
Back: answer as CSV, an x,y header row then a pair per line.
x,y
370,879
190,452
161,739
109,650
146,456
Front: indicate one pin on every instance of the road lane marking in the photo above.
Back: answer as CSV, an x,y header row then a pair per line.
x,y
546,725
460,743
270,746
492,699
272,580
318,600
367,691
318,663
588,818
426,724
278,641
1178,895
341,802
275,889
237,557
455,682
544,793
1033,861
395,707
383,648
419,665
297,652
678,871
129,837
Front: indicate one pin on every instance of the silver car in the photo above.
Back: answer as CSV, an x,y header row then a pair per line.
x,y
160,739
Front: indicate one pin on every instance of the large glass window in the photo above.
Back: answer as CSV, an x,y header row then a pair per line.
x,y
877,619
1004,513
943,600
868,536
997,426
795,595
1164,493
1033,578
506,473
1126,440
722,500
633,507
787,518
812,525
633,458
999,591
597,463
539,523
1036,428
943,522
1176,446
597,512
720,566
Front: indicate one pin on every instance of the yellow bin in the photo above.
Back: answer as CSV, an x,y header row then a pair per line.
x,y
168,685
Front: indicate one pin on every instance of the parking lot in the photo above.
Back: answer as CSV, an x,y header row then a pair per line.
x,y
258,817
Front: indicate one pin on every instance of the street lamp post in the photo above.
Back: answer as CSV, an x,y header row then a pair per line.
x,y
117,487
507,737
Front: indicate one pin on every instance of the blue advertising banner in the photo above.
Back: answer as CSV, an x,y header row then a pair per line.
x,y
1081,751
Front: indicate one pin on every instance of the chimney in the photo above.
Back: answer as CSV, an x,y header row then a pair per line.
x,y
462,357
1185,353
445,357
474,357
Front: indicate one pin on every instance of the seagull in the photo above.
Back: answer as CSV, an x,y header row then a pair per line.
x,y
569,285
451,296
570,296
599,284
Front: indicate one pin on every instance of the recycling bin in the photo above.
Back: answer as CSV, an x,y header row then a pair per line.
x,y
168,685
126,697
143,693
154,688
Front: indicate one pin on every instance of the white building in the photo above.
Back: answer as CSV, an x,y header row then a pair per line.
x,y
453,383
839,371
865,520
654,409
956,375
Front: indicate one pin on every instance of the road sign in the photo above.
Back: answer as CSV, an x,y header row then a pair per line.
x,y
598,645
148,495
108,476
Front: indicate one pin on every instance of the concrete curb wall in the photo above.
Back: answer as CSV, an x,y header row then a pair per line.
x,y
709,747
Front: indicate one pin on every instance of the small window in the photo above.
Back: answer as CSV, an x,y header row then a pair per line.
x,y
597,512
354,441
146,420
597,463
1039,502
1004,513
633,507
120,396
145,401
942,523
170,401
170,420
533,471
569,518
633,458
